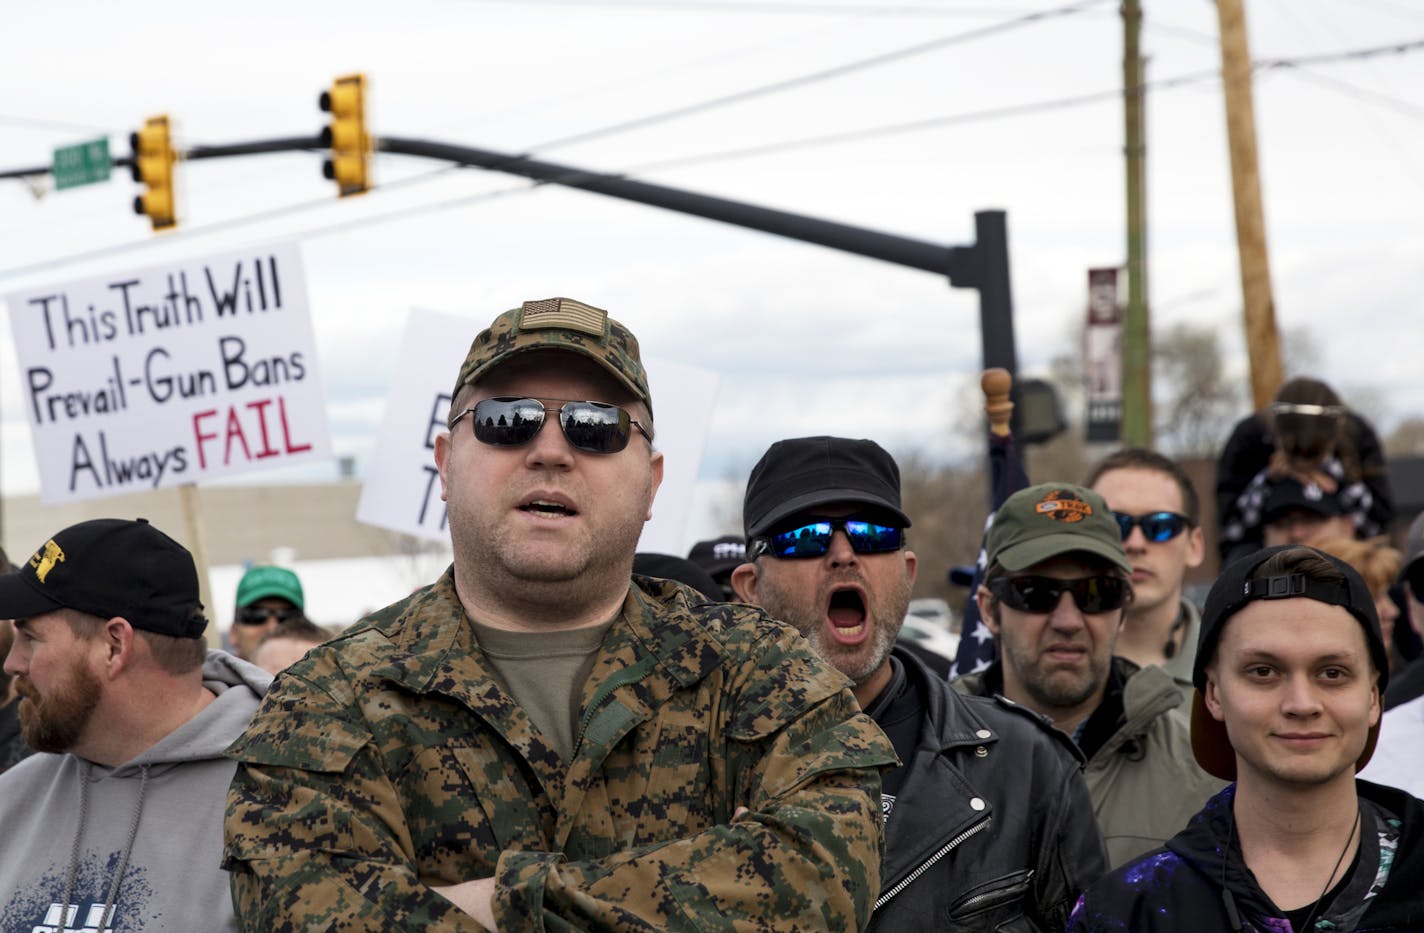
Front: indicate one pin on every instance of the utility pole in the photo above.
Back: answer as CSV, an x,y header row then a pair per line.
x,y
1136,329
1258,308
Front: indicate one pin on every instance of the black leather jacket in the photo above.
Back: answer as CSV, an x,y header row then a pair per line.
x,y
993,828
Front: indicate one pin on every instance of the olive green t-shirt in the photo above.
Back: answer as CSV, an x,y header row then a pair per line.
x,y
545,673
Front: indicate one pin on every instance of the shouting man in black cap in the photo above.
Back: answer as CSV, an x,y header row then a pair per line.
x,y
119,827
987,822
1288,674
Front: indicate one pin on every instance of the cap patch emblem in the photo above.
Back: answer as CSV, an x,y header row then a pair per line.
x,y
1061,506
45,559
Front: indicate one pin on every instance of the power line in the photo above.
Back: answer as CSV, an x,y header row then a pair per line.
x,y
830,139
1333,58
815,77
770,6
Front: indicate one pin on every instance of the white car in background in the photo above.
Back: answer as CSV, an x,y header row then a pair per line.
x,y
927,623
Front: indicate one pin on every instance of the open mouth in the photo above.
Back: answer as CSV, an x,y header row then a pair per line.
x,y
547,508
846,613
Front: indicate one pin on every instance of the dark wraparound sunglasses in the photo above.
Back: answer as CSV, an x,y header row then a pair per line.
x,y
1156,526
813,539
256,615
593,427
1040,595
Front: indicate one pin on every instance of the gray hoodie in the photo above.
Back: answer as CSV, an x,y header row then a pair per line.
x,y
146,835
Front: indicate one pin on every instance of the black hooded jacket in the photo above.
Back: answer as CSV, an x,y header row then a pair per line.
x,y
992,828
1179,886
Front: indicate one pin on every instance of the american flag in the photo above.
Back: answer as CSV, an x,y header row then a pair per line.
x,y
1006,477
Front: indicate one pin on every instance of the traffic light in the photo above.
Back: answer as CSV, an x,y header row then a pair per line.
x,y
350,162
153,159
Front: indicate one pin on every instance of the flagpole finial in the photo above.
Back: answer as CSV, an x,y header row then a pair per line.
x,y
996,383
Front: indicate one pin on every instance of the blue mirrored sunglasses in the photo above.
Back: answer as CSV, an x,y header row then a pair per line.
x,y
813,539
1156,526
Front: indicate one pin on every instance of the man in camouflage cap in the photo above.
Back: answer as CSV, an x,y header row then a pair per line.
x,y
531,742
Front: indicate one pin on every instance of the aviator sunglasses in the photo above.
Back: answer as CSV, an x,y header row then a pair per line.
x,y
593,427
1040,595
1156,526
813,539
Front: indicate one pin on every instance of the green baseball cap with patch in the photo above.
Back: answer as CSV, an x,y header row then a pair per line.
x,y
557,324
1050,519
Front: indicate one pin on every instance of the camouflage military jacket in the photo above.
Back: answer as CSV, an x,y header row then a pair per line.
x,y
390,760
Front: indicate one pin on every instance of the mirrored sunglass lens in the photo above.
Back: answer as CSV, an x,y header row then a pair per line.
x,y
1163,526
1156,527
507,422
869,538
595,426
811,540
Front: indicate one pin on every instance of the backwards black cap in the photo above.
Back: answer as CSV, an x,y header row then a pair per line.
x,y
1231,592
110,567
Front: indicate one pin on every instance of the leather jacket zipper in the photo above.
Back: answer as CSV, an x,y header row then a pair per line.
x,y
930,862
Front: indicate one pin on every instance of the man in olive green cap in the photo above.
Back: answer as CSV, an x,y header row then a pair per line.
x,y
539,740
1055,593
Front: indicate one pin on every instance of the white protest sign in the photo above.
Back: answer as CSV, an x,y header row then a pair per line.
x,y
402,488
173,374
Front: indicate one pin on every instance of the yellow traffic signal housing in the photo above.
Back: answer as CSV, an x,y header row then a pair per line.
x,y
153,159
350,162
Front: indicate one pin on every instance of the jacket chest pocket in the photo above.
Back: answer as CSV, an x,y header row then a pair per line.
x,y
996,905
465,804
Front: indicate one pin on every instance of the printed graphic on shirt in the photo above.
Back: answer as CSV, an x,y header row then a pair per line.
x,y
36,908
887,803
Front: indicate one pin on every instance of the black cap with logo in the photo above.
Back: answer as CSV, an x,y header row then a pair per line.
x,y
110,567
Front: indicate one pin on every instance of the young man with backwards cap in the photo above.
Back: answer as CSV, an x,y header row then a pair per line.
x,y
988,821
538,740
1288,675
118,825
1055,594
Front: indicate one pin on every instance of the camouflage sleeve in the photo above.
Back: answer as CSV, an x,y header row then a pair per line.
x,y
805,762
314,834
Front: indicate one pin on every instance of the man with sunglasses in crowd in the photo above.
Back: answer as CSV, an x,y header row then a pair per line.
x,y
1158,510
1055,593
266,597
539,740
988,822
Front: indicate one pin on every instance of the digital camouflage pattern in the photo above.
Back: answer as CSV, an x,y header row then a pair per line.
x,y
391,759
557,324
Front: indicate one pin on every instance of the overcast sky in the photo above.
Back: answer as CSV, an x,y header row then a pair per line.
x,y
804,339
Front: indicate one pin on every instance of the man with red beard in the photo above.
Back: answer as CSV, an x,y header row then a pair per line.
x,y
116,823
987,820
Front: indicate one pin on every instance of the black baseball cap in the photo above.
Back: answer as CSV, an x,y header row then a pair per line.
x,y
672,567
110,567
719,556
1289,494
797,474
1231,592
